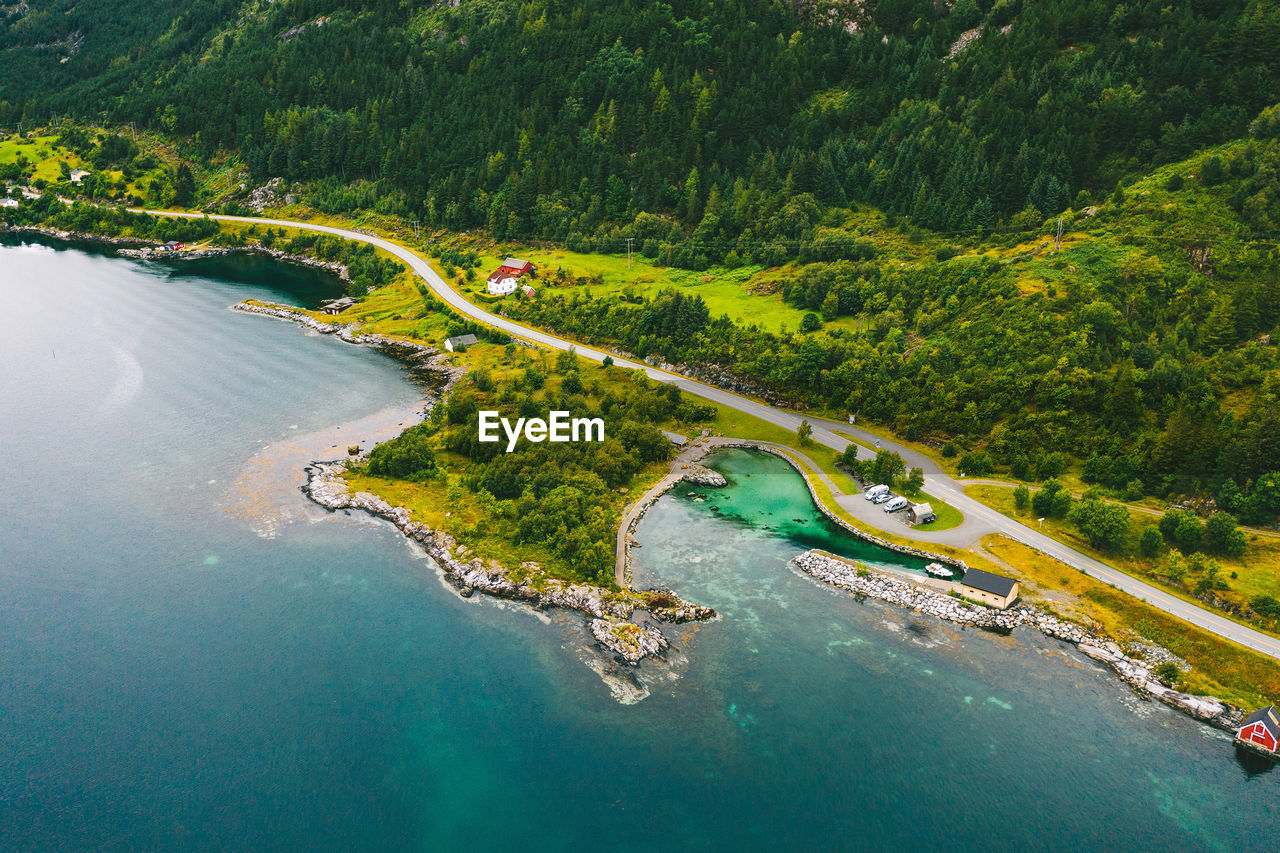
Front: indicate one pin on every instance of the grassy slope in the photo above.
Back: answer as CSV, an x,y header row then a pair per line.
x,y
1256,573
46,155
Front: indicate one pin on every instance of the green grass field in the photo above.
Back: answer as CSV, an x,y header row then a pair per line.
x,y
748,294
44,153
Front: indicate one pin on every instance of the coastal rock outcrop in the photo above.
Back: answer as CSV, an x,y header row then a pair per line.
x,y
628,640
326,487
702,476
864,581
350,333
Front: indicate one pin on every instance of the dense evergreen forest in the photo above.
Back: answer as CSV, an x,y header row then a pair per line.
x,y
738,122
759,132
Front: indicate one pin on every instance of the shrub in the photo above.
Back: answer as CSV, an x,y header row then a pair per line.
x,y
1104,525
1021,497
804,435
949,450
1042,502
408,457
1222,536
1211,172
976,464
888,467
1149,543
1050,465
1181,528
1019,466
1265,605
1267,124
1168,671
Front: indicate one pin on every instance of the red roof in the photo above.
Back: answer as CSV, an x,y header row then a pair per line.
x,y
516,266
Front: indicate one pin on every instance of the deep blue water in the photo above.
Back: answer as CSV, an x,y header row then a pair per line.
x,y
192,657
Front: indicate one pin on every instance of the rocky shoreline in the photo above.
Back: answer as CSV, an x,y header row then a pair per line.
x,y
610,611
73,235
148,253
614,617
347,332
144,249
864,581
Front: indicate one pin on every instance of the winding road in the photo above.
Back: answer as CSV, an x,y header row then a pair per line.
x,y
980,520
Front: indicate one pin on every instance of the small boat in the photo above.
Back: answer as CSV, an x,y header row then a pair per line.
x,y
938,570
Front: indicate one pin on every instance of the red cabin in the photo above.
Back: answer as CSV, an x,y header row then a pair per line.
x,y
516,267
1261,730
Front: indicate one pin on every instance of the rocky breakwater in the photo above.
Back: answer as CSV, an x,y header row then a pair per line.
x,y
610,612
864,581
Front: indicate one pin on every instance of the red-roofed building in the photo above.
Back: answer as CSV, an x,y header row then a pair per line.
x,y
506,277
516,267
1260,731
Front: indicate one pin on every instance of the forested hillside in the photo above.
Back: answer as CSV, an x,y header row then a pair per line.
x,y
741,120
775,134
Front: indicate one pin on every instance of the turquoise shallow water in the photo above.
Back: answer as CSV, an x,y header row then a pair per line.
x,y
171,678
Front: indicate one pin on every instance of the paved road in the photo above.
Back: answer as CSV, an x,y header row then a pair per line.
x,y
979,518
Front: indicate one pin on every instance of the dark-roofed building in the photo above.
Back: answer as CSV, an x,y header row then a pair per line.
x,y
460,343
993,590
1261,731
337,306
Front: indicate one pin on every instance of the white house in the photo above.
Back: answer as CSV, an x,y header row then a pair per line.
x,y
78,175
8,202
502,283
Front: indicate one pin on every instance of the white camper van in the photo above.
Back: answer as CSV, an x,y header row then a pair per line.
x,y
896,504
875,491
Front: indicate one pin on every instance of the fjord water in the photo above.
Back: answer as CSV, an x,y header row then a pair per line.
x,y
177,673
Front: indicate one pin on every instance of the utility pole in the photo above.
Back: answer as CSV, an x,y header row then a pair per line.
x,y
417,236
630,240
1057,240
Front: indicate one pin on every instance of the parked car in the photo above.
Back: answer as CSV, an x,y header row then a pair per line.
x,y
882,497
873,492
896,504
